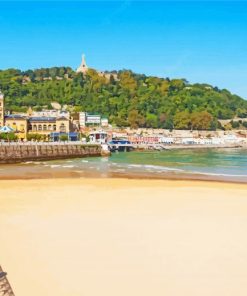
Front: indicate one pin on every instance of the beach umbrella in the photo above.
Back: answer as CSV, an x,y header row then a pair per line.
x,y
6,129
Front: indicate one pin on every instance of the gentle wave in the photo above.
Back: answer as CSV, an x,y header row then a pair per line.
x,y
162,168
154,167
53,166
217,174
68,166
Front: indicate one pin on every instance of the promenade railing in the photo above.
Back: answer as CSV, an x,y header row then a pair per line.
x,y
33,143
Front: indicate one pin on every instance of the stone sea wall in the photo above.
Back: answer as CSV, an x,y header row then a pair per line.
x,y
14,152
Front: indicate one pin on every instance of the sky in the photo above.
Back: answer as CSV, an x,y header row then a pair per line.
x,y
204,42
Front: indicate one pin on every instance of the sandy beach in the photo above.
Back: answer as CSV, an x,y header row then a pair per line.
x,y
91,237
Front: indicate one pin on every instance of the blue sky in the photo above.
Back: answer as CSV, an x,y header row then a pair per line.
x,y
199,41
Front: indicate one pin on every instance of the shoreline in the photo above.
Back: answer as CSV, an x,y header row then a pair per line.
x,y
125,183
120,176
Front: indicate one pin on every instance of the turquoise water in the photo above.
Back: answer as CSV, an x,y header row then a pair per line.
x,y
211,161
212,164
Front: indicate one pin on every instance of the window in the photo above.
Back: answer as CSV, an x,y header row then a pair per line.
x,y
62,127
40,127
54,127
44,127
49,127
34,127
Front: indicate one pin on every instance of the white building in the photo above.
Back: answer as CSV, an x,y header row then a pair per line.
x,y
50,113
98,137
92,119
82,119
166,140
104,122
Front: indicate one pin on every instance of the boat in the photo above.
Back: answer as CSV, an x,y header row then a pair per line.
x,y
120,146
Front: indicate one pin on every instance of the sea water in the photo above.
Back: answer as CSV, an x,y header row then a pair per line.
x,y
210,164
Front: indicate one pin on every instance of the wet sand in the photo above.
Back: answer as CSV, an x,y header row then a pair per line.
x,y
123,237
34,171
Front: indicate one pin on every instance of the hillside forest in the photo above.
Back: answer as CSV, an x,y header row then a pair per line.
x,y
126,98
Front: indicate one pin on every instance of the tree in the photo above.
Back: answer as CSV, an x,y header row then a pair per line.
x,y
151,120
176,84
245,124
35,137
63,137
235,124
127,81
182,120
8,137
201,120
164,88
135,119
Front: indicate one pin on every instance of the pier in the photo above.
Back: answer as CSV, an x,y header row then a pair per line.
x,y
31,151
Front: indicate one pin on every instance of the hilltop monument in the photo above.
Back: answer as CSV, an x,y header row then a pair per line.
x,y
83,68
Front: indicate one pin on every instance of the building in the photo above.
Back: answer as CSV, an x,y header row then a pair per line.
x,y
104,122
19,124
98,137
86,119
93,119
46,125
43,122
82,119
50,113
1,109
37,125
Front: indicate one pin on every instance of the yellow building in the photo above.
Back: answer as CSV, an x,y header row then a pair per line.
x,y
37,125
63,125
19,124
46,125
43,125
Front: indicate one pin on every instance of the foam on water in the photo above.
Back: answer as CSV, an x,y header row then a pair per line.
x,y
217,174
68,166
53,166
161,168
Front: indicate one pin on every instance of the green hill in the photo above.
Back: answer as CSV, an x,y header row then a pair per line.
x,y
126,98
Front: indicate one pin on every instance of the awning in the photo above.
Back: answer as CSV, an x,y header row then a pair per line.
x,y
6,129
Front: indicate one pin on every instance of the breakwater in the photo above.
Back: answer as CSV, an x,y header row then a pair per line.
x,y
19,152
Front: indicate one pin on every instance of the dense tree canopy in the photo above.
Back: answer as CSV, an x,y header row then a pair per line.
x,y
126,98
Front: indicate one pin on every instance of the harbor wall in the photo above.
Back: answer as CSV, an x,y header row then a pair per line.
x,y
43,151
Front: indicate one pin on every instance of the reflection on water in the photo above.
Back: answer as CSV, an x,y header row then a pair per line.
x,y
216,164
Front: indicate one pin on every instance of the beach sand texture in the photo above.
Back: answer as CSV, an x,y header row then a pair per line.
x,y
91,237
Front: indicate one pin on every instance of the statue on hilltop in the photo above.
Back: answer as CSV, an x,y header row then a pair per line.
x,y
83,68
